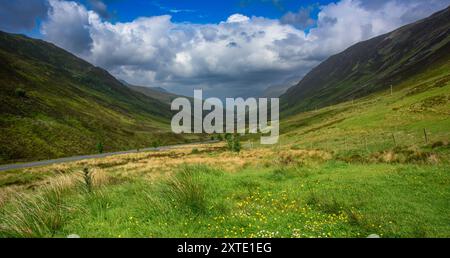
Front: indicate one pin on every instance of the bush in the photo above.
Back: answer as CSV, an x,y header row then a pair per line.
x,y
156,144
233,142
100,147
21,93
87,180
195,151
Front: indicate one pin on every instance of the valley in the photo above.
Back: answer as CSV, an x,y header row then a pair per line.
x,y
364,149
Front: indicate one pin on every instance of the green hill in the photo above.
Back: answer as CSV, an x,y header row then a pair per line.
x,y
373,65
54,104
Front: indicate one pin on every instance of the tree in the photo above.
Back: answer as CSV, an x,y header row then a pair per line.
x,y
233,142
237,143
100,147
156,144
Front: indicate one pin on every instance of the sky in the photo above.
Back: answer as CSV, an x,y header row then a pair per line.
x,y
233,48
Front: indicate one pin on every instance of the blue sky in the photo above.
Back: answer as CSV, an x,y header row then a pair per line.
x,y
194,11
204,11
229,48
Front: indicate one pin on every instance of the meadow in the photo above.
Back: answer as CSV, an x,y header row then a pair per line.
x,y
211,192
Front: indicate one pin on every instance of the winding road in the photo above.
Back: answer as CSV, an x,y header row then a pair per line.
x,y
84,157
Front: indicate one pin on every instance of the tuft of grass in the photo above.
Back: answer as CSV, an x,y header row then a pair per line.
x,y
37,215
187,189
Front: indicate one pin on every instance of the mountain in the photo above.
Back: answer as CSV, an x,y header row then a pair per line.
x,y
55,104
153,92
275,91
373,65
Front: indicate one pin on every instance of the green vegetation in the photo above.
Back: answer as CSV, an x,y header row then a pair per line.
x,y
55,105
100,147
156,143
324,199
21,93
233,142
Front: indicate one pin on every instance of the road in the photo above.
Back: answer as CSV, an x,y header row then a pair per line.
x,y
95,156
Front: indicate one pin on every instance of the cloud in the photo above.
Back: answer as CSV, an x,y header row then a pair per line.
x,y
69,25
19,15
237,57
171,10
237,18
301,19
100,7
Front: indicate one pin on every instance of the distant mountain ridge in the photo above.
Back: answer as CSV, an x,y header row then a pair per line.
x,y
158,93
373,65
275,91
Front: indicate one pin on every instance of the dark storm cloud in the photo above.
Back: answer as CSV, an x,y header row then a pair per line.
x,y
19,15
68,26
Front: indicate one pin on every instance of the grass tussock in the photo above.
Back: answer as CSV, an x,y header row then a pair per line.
x,y
188,189
44,211
37,215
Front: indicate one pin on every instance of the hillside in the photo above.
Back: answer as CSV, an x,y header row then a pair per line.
x,y
275,91
373,65
54,104
154,92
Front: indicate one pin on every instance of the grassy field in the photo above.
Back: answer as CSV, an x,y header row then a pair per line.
x,y
377,165
261,192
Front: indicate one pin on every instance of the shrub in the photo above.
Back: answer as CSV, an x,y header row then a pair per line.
x,y
156,144
236,143
195,151
100,147
87,180
21,93
233,142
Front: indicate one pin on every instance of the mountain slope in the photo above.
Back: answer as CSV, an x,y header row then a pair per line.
x,y
153,92
373,65
275,91
54,104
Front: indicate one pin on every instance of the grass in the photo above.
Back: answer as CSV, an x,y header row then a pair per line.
x,y
300,194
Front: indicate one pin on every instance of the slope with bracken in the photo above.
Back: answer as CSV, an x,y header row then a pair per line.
x,y
373,65
54,104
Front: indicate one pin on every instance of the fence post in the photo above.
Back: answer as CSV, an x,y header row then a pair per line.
x,y
393,138
365,143
426,135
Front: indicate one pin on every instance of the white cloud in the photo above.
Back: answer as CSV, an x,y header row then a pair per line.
x,y
237,18
240,56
